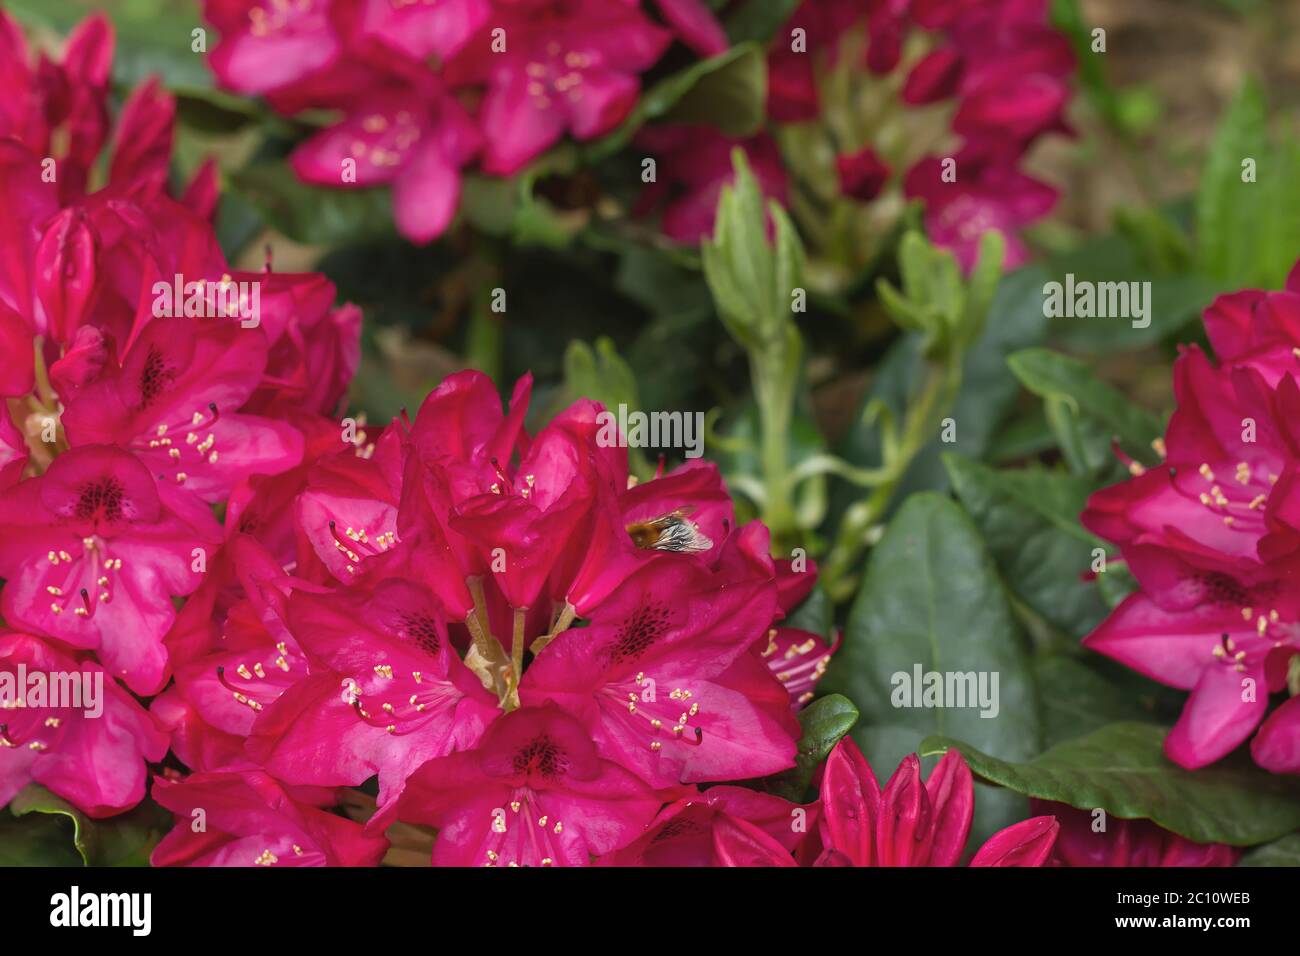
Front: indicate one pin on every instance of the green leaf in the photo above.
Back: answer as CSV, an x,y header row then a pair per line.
x,y
727,92
1283,852
935,300
1030,522
1248,233
124,840
1225,206
153,36
37,840
931,597
988,390
313,214
1122,769
1148,248
825,721
1086,412
1067,16
758,19
814,614
599,374
1078,700
1158,239
659,284
752,282
512,207
1116,584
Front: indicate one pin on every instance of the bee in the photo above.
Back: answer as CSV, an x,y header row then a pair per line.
x,y
671,532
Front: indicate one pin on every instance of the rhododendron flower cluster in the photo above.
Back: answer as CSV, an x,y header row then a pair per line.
x,y
478,617
121,428
530,650
512,78
1005,69
1211,536
467,617
426,90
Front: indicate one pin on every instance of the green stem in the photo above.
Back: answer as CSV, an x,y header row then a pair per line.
x,y
517,656
774,394
44,390
923,417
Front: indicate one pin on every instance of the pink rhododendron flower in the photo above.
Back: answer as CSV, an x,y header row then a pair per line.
x,y
383,696
223,685
89,748
628,527
60,110
428,28
567,66
862,174
535,511
1211,537
986,195
416,143
313,348
173,400
686,832
1277,745
798,659
136,417
915,823
535,793
93,552
669,687
1001,62
250,820
348,510
266,47
694,164
695,23
1126,842
368,659
531,71
792,83
13,451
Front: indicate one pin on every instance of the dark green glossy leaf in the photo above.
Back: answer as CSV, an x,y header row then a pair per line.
x,y
931,598
825,721
314,214
758,19
1248,233
1078,700
1086,412
1283,852
815,614
1122,769
1030,521
123,840
727,92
